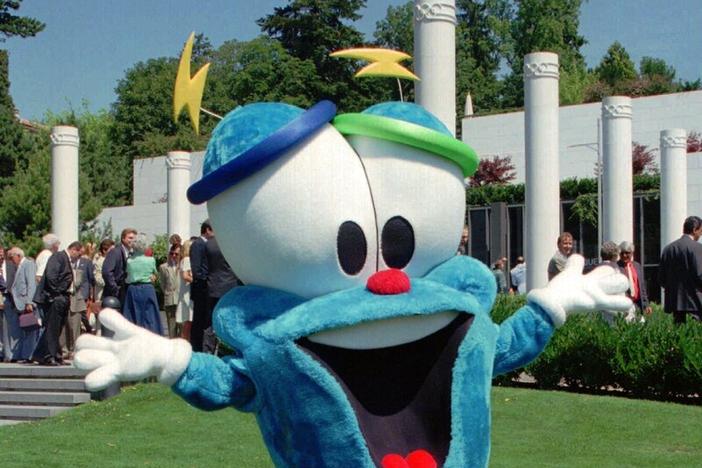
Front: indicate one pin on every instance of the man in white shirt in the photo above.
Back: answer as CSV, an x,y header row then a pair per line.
x,y
51,246
518,276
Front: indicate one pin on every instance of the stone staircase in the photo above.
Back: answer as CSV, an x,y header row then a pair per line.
x,y
30,392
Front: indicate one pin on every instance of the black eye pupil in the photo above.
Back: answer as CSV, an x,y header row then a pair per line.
x,y
397,242
351,247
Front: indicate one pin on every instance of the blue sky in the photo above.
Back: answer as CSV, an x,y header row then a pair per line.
x,y
88,44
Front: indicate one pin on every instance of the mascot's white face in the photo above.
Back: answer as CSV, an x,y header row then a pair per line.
x,y
330,213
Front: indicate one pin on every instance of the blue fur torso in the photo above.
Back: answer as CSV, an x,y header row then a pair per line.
x,y
305,417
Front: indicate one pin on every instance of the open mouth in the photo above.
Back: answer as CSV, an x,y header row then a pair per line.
x,y
401,395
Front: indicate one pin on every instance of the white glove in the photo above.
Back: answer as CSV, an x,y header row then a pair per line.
x,y
571,292
133,354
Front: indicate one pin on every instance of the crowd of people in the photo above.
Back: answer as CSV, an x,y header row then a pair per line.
x,y
46,304
679,274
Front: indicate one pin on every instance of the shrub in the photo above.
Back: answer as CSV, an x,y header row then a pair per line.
x,y
654,359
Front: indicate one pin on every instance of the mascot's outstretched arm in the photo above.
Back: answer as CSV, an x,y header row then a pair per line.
x,y
133,354
524,335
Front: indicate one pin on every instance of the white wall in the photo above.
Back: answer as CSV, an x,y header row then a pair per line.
x,y
148,214
503,134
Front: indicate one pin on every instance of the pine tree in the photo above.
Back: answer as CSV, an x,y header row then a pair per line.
x,y
10,129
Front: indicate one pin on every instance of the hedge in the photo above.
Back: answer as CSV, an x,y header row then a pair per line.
x,y
654,359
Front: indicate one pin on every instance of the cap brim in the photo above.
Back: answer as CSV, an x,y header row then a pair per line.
x,y
407,133
260,155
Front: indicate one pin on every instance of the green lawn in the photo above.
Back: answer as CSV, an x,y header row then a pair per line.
x,y
149,426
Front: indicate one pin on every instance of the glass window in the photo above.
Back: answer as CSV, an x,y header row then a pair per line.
x,y
479,235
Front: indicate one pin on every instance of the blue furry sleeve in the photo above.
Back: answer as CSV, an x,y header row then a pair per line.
x,y
211,383
522,337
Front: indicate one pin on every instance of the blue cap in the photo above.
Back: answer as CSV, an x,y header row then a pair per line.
x,y
251,137
409,112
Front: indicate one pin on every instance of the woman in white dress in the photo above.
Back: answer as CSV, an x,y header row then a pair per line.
x,y
184,312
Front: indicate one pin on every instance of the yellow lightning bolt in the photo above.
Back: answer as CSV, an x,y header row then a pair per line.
x,y
188,91
384,62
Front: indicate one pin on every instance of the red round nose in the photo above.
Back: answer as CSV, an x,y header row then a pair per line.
x,y
391,281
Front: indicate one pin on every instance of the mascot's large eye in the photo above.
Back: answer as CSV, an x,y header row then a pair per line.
x,y
351,247
397,242
304,224
419,204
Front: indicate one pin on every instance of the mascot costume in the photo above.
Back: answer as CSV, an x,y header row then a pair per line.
x,y
361,338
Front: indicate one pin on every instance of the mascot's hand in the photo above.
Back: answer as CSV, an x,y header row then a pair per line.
x,y
133,354
571,292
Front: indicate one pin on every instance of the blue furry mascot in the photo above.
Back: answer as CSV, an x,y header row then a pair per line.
x,y
362,339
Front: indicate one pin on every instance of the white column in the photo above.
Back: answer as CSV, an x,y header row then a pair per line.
x,y
178,163
64,183
435,58
617,178
542,176
673,184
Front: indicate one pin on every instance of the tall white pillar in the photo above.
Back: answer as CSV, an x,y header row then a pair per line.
x,y
673,184
64,183
617,178
178,163
435,58
542,176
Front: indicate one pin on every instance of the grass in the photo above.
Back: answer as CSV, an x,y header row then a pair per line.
x,y
149,426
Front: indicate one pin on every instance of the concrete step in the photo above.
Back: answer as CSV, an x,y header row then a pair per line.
x,y
10,422
42,385
30,411
43,398
46,372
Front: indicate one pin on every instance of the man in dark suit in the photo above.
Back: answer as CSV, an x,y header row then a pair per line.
x,y
57,283
220,280
114,268
680,273
637,292
198,288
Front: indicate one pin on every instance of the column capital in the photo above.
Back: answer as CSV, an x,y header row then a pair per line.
x,y
616,107
541,65
65,136
435,11
178,160
674,138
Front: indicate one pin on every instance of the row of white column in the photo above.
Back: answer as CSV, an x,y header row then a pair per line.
x,y
542,170
65,143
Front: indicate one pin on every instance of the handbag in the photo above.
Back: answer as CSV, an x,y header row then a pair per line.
x,y
28,320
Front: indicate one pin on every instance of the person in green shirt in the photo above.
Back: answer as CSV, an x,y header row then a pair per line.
x,y
141,305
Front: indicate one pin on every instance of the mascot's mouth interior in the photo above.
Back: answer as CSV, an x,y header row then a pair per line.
x,y
401,395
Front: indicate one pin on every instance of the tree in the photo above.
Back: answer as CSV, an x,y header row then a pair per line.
x,y
262,70
396,31
10,129
642,159
694,142
13,25
311,30
143,112
616,66
25,203
551,26
656,77
496,170
479,45
480,38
